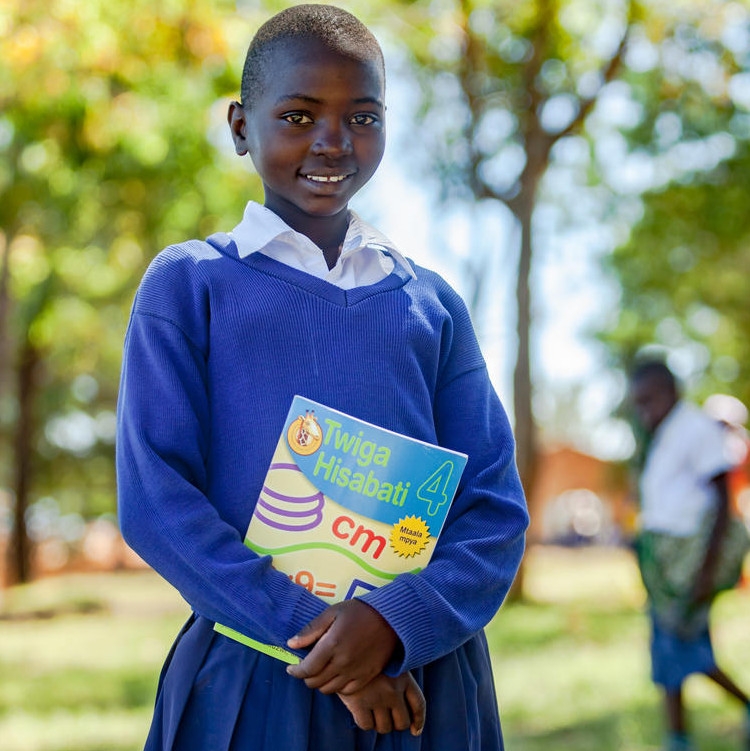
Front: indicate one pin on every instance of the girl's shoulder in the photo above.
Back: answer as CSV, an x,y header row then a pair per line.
x,y
440,295
176,287
433,283
184,258
185,269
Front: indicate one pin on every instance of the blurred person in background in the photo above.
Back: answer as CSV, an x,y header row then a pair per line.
x,y
689,546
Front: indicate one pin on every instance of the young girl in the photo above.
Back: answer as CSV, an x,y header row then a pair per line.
x,y
305,298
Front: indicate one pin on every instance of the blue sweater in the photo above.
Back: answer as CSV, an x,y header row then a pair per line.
x,y
217,346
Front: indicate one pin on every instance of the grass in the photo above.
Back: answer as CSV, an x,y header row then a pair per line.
x,y
80,657
79,660
572,668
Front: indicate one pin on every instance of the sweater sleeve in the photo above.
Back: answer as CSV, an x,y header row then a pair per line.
x,y
481,545
162,448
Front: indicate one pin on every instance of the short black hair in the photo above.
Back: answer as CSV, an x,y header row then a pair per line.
x,y
657,369
336,29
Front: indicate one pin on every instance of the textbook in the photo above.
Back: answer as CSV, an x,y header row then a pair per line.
x,y
347,506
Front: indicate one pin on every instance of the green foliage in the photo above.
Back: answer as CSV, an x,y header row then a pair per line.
x,y
108,116
685,277
683,269
502,81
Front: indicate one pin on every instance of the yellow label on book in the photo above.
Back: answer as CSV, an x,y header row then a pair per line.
x,y
410,536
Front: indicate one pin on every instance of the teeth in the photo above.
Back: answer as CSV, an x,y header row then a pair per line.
x,y
326,178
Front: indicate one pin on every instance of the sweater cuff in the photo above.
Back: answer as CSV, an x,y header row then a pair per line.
x,y
403,606
303,614
307,607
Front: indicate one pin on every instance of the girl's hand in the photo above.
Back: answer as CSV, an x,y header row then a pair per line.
x,y
386,704
352,644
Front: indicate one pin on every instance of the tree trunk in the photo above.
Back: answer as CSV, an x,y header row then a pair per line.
x,y
19,550
524,424
525,428
4,316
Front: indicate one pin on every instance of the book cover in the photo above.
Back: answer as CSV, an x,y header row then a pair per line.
x,y
347,506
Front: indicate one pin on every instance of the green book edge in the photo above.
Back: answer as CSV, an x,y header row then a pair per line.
x,y
267,649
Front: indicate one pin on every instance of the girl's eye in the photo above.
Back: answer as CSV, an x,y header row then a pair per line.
x,y
364,118
297,118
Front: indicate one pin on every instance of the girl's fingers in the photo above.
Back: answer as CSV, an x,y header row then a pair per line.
x,y
312,631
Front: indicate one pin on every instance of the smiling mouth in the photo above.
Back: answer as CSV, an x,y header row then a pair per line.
x,y
326,178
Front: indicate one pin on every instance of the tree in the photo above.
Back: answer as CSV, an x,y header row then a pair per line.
x,y
683,270
107,157
506,82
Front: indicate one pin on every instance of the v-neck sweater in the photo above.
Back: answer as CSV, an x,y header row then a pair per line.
x,y
217,345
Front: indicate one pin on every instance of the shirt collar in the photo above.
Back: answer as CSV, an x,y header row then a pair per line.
x,y
261,226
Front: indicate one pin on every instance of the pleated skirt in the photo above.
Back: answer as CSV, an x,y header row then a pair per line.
x,y
218,695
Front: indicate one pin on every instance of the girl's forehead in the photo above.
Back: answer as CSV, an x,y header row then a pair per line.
x,y
306,62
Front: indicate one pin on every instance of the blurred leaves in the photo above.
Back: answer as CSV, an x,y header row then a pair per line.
x,y
683,270
685,278
109,114
502,81
605,113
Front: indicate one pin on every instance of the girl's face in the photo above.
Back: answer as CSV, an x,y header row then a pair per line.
x,y
316,132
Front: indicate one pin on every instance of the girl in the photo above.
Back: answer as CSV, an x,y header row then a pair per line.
x,y
304,297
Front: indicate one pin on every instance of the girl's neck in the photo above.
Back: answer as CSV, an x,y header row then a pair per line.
x,y
331,254
327,232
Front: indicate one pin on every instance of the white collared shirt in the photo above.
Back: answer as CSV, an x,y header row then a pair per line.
x,y
367,256
689,448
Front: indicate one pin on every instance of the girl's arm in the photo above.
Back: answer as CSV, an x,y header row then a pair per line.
x,y
481,545
163,445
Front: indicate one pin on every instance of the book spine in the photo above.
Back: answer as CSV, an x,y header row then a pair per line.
x,y
267,649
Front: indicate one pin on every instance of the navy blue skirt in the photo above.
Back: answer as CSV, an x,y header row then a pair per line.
x,y
216,694
674,658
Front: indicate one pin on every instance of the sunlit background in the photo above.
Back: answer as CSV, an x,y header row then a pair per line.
x,y
598,148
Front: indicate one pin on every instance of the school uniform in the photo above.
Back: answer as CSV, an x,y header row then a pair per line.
x,y
221,336
678,506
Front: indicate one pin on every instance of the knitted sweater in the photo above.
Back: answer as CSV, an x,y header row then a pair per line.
x,y
216,348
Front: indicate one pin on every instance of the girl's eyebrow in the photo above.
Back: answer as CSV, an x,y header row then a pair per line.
x,y
314,100
304,97
369,100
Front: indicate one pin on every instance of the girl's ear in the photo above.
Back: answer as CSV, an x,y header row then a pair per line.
x,y
237,119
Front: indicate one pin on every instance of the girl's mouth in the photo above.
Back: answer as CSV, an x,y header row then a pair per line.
x,y
326,178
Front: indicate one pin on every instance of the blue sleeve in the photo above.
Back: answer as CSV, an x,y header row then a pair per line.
x,y
481,546
162,454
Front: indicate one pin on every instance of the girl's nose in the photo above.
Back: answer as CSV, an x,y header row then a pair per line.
x,y
332,140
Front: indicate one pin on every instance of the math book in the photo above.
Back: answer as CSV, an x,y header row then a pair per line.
x,y
347,506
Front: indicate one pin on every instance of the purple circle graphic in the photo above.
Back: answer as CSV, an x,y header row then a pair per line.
x,y
287,512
